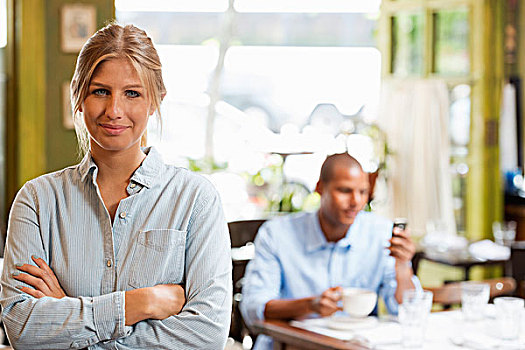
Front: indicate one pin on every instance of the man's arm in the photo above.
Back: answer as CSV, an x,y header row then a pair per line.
x,y
404,278
324,305
402,249
261,298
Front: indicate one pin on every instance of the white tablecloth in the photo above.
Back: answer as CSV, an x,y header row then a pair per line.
x,y
444,330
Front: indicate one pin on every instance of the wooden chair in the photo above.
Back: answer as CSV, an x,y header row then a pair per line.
x,y
241,233
450,293
517,259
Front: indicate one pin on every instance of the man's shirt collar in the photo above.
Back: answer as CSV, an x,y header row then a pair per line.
x,y
316,239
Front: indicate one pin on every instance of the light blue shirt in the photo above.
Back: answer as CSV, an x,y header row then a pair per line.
x,y
294,260
170,229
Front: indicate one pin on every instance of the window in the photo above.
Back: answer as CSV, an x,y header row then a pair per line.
x,y
3,23
278,61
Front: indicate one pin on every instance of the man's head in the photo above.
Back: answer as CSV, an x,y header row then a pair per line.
x,y
344,189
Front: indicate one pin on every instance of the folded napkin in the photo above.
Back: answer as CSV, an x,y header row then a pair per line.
x,y
488,250
382,333
385,333
318,325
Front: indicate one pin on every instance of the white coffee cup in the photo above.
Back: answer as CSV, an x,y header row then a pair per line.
x,y
358,302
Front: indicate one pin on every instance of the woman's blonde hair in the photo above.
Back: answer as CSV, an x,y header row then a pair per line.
x,y
115,41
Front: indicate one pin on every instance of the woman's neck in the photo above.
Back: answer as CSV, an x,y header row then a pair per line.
x,y
117,165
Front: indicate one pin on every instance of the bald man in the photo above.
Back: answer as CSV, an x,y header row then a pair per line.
x,y
302,261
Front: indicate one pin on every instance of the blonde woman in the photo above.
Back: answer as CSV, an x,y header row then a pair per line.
x,y
120,251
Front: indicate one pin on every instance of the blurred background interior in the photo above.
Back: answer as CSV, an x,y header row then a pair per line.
x,y
426,94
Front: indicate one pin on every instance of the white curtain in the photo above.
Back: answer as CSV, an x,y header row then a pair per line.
x,y
415,116
508,138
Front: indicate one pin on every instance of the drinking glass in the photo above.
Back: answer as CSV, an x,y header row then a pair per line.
x,y
504,232
474,299
509,311
413,314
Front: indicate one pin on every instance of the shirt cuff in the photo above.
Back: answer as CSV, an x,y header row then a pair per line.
x,y
109,316
417,283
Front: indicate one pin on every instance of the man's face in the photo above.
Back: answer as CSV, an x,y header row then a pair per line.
x,y
344,196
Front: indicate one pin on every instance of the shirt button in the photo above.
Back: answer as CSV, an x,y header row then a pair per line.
x,y
132,185
109,263
122,215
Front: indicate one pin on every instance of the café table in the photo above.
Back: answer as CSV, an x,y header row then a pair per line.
x,y
287,337
461,259
444,330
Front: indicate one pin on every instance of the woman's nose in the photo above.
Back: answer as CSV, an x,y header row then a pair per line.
x,y
114,108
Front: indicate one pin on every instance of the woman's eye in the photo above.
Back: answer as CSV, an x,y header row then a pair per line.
x,y
131,93
100,92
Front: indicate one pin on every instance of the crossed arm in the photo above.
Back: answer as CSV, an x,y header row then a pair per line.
x,y
157,303
80,321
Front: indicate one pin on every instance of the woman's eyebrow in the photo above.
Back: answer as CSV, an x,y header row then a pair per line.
x,y
97,84
130,86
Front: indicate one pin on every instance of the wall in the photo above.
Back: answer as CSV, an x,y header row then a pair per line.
x,y
37,141
61,145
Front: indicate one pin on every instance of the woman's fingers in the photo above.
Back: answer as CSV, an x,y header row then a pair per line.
x,y
37,272
49,274
33,292
33,281
41,278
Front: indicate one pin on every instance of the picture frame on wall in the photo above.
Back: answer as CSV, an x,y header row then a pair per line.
x,y
67,116
77,23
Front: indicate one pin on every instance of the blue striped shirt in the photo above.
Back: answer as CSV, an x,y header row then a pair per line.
x,y
170,229
294,260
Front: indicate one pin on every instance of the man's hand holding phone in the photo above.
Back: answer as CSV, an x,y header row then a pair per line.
x,y
401,246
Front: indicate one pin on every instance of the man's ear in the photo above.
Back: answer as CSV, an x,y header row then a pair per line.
x,y
319,187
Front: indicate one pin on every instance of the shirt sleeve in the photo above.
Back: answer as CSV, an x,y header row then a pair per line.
x,y
204,320
262,280
388,286
68,322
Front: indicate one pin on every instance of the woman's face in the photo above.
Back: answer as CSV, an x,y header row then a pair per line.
x,y
116,109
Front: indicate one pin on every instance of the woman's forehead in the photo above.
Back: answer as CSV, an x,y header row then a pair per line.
x,y
116,68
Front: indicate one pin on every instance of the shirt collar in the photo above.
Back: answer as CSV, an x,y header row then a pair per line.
x,y
148,173
145,175
86,166
316,239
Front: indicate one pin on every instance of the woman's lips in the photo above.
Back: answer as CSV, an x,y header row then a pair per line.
x,y
114,129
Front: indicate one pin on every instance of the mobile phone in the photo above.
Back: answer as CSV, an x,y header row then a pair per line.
x,y
401,223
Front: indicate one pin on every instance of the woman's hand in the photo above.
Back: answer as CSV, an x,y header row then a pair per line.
x,y
41,278
157,303
167,300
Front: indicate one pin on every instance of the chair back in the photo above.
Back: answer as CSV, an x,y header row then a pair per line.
x,y
450,293
241,233
517,258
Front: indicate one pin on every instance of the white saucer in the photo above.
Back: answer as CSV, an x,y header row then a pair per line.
x,y
345,323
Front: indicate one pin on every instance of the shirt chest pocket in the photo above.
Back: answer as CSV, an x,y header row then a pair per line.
x,y
158,258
